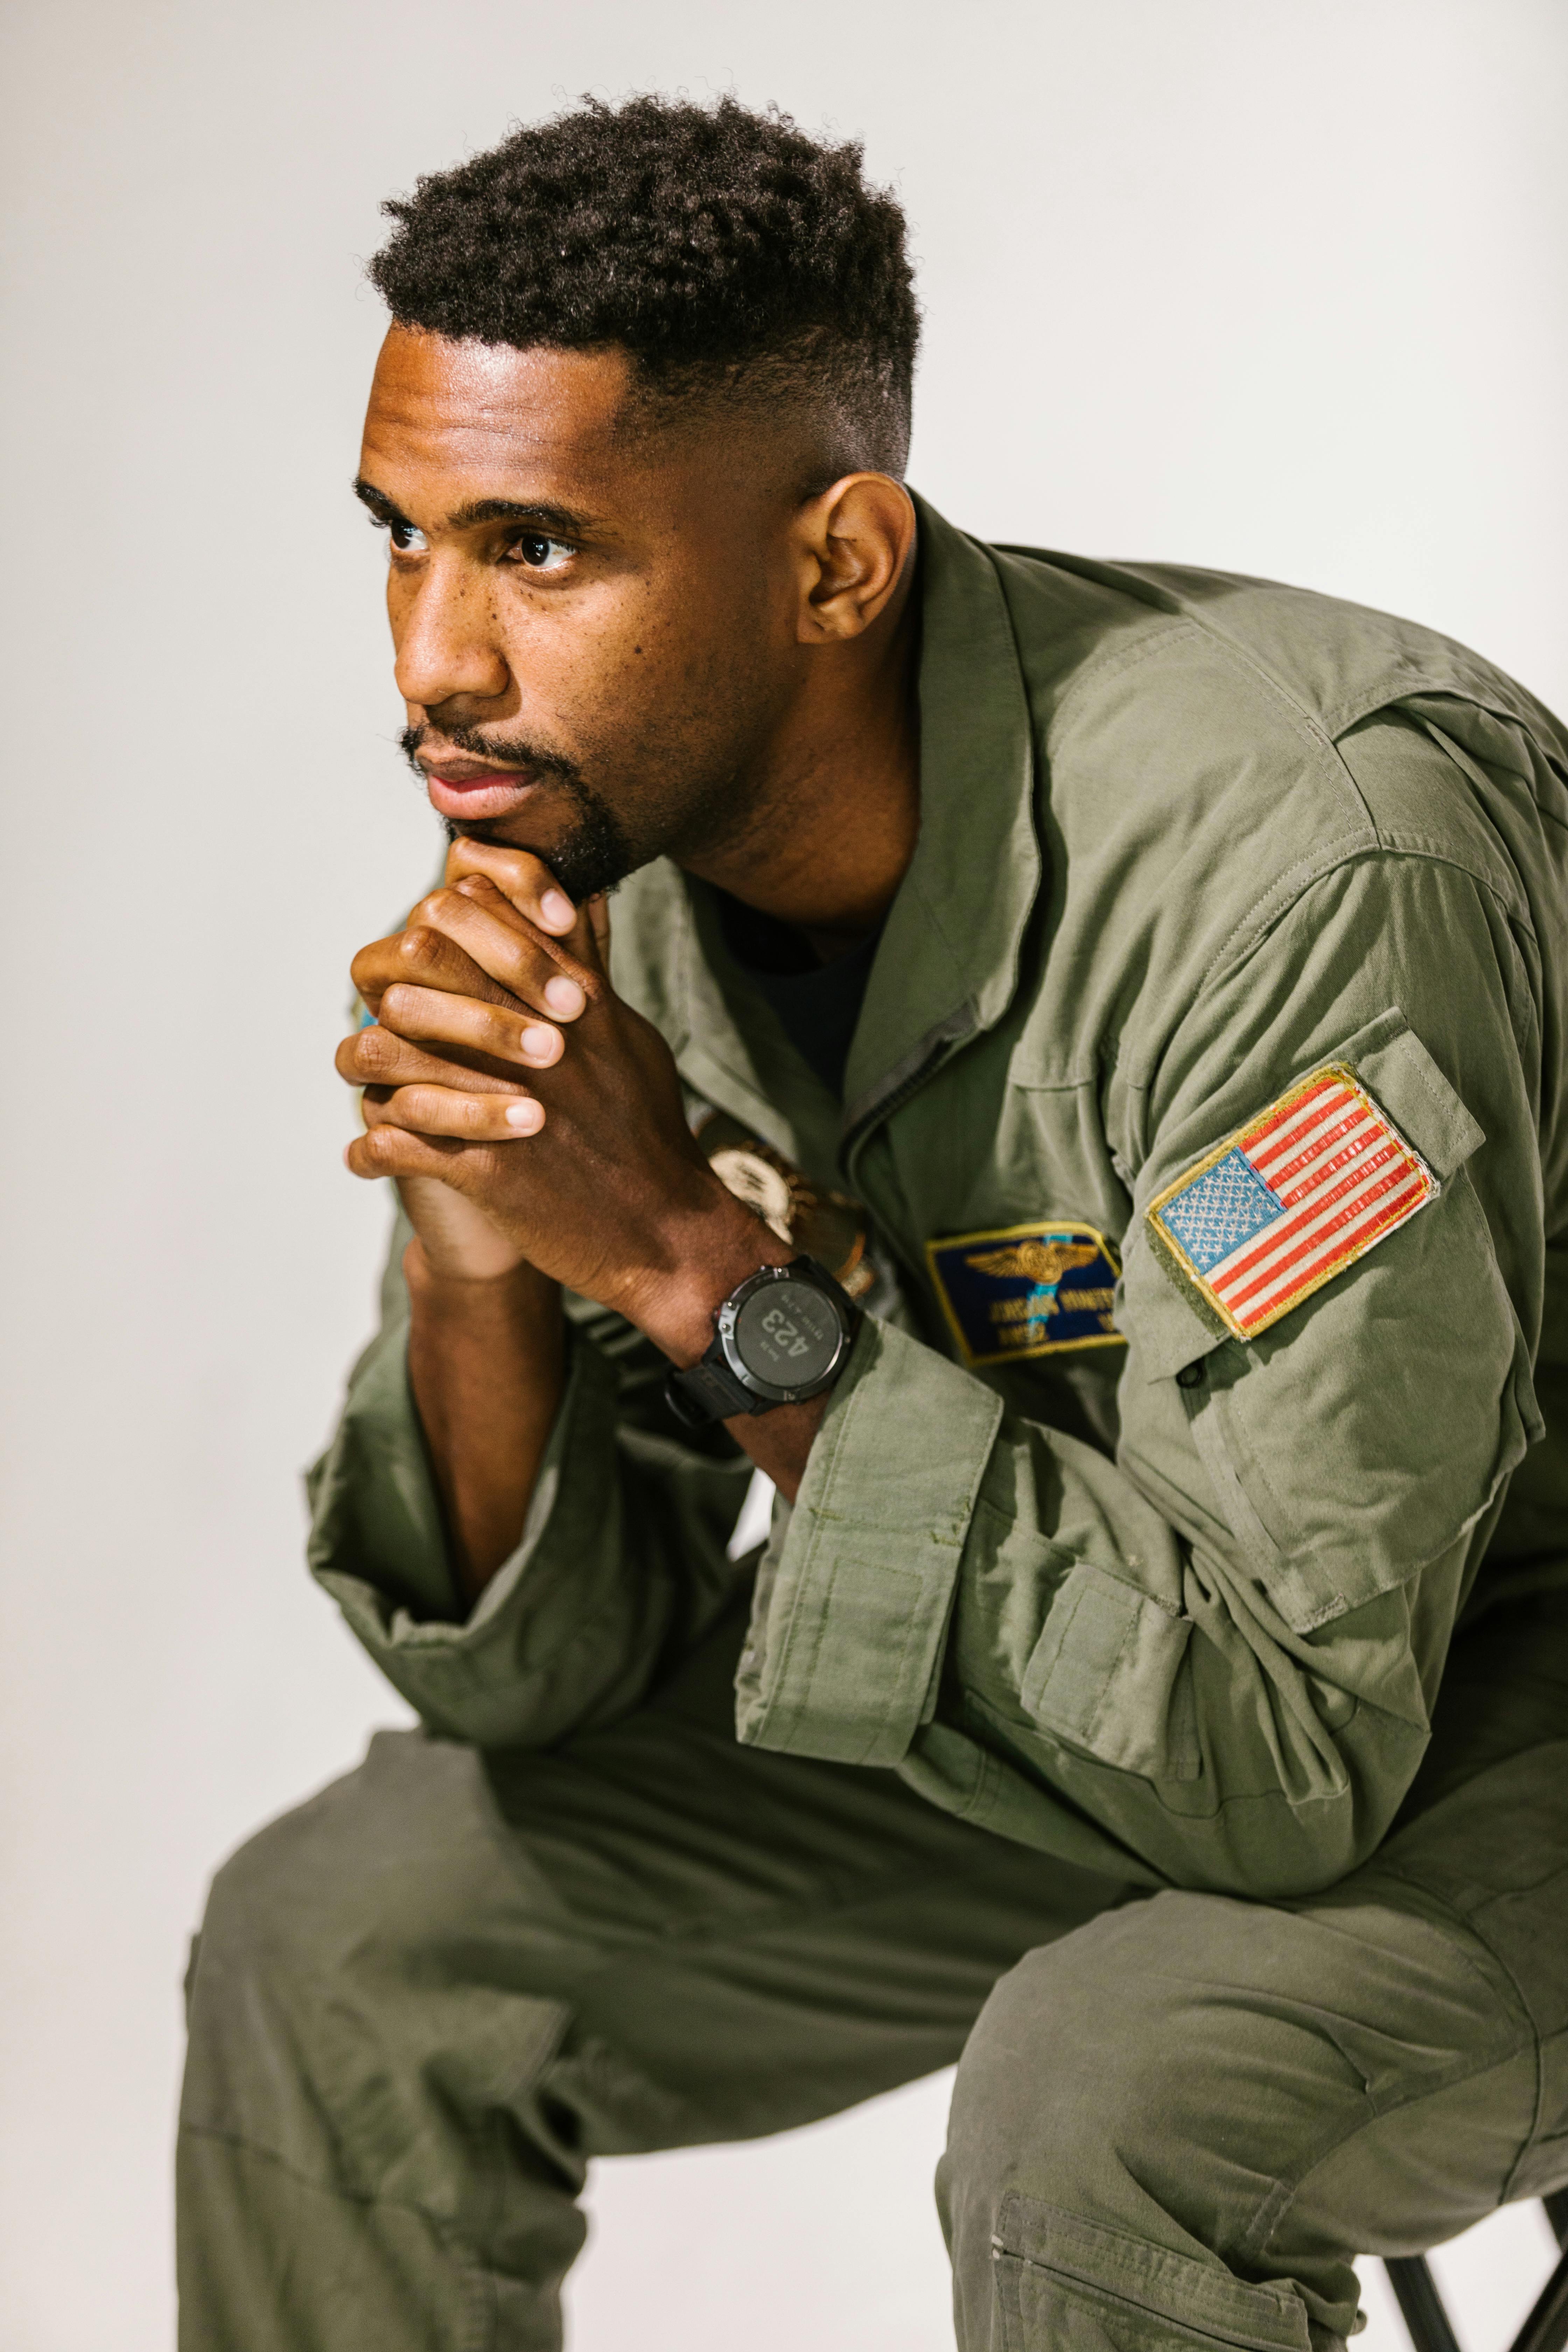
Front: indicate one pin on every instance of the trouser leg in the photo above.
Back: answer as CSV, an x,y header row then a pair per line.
x,y
1177,2124
424,2001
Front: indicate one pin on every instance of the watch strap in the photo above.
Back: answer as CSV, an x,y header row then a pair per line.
x,y
708,1391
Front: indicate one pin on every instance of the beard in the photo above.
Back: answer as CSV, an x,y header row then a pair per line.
x,y
697,803
592,853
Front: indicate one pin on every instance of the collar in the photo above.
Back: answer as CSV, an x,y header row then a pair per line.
x,y
947,962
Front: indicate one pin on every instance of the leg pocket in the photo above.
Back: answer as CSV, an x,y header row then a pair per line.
x,y
1075,2286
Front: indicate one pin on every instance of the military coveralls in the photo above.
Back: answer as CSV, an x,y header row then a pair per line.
x,y
1083,1717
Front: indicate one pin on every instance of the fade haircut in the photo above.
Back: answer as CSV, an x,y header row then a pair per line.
x,y
726,252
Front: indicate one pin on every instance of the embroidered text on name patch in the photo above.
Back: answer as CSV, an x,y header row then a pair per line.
x,y
1291,1199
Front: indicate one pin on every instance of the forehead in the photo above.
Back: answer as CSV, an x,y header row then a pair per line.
x,y
466,412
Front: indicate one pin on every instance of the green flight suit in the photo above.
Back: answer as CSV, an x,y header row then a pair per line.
x,y
1085,1719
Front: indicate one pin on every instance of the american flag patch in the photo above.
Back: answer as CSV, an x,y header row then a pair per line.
x,y
1290,1201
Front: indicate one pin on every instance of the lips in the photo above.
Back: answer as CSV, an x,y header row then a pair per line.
x,y
466,788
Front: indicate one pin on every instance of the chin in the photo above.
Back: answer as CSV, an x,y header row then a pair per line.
x,y
586,856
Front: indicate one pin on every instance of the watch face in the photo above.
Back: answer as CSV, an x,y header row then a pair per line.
x,y
787,1334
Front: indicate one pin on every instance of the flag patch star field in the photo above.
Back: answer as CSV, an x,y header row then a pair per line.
x,y
1290,1201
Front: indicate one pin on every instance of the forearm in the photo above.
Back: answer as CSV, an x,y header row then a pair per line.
x,y
487,1368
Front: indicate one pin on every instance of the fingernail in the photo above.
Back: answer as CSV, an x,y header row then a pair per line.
x,y
563,996
526,1116
557,911
538,1044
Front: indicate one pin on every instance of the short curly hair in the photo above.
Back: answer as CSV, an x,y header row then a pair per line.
x,y
724,250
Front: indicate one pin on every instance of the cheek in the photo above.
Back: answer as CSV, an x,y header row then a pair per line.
x,y
608,672
399,602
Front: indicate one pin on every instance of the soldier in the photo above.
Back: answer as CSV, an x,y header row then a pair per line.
x,y
1072,1090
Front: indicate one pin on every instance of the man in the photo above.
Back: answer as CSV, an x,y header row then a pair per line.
x,y
1072,1090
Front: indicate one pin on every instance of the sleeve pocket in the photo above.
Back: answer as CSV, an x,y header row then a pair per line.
x,y
1106,1675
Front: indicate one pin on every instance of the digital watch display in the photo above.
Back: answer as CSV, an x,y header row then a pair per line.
x,y
780,1336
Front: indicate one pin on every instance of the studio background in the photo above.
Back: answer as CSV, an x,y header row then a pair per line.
x,y
1271,285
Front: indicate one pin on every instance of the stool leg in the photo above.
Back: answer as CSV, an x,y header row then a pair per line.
x,y
1546,2329
1421,2305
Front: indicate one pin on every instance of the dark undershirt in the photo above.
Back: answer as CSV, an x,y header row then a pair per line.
x,y
818,1004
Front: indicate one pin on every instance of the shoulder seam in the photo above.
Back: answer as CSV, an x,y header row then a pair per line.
x,y
1311,730
1263,914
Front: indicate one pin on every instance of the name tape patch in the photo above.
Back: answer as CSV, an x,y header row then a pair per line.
x,y
1026,1290
1289,1201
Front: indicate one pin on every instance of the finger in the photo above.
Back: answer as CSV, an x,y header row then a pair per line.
x,y
598,914
391,1152
385,1054
427,958
527,885
578,953
522,878
436,1110
537,971
469,1029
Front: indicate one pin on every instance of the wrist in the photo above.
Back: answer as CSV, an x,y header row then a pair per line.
x,y
458,1238
705,1256
438,1287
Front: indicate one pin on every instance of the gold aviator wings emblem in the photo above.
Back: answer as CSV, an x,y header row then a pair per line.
x,y
1042,1261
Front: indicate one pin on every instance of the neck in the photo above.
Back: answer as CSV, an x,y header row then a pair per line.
x,y
835,811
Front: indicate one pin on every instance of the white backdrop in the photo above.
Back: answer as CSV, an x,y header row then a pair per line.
x,y
1270,284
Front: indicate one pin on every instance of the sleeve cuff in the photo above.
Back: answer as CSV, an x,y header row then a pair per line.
x,y
379,1548
851,1619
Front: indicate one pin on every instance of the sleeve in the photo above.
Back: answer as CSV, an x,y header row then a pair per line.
x,y
1209,1662
622,1563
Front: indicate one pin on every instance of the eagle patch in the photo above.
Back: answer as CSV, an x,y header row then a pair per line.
x,y
1289,1201
1026,1290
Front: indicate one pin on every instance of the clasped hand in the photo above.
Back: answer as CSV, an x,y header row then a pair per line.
x,y
503,1066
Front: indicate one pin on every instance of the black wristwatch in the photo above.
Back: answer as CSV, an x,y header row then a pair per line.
x,y
780,1336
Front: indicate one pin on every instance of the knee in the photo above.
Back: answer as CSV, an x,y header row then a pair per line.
x,y
327,1908
1061,2082
258,1945
269,1903
315,1982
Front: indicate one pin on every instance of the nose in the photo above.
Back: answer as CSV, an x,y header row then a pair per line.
x,y
447,645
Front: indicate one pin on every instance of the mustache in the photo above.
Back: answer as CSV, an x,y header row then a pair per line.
x,y
510,751
591,855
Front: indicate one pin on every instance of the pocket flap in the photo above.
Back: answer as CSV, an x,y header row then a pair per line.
x,y
1102,1674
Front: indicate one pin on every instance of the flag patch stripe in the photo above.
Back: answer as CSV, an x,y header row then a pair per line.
x,y
1320,1204
1322,1105
1300,1193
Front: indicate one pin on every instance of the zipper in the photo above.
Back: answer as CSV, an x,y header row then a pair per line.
x,y
936,1046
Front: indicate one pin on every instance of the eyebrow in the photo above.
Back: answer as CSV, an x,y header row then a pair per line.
x,y
559,522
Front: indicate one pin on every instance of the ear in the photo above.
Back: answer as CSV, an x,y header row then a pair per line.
x,y
852,542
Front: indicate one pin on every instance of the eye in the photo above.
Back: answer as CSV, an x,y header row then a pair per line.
x,y
406,539
539,553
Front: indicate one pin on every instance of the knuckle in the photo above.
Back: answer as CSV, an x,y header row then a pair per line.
x,y
375,1052
420,950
